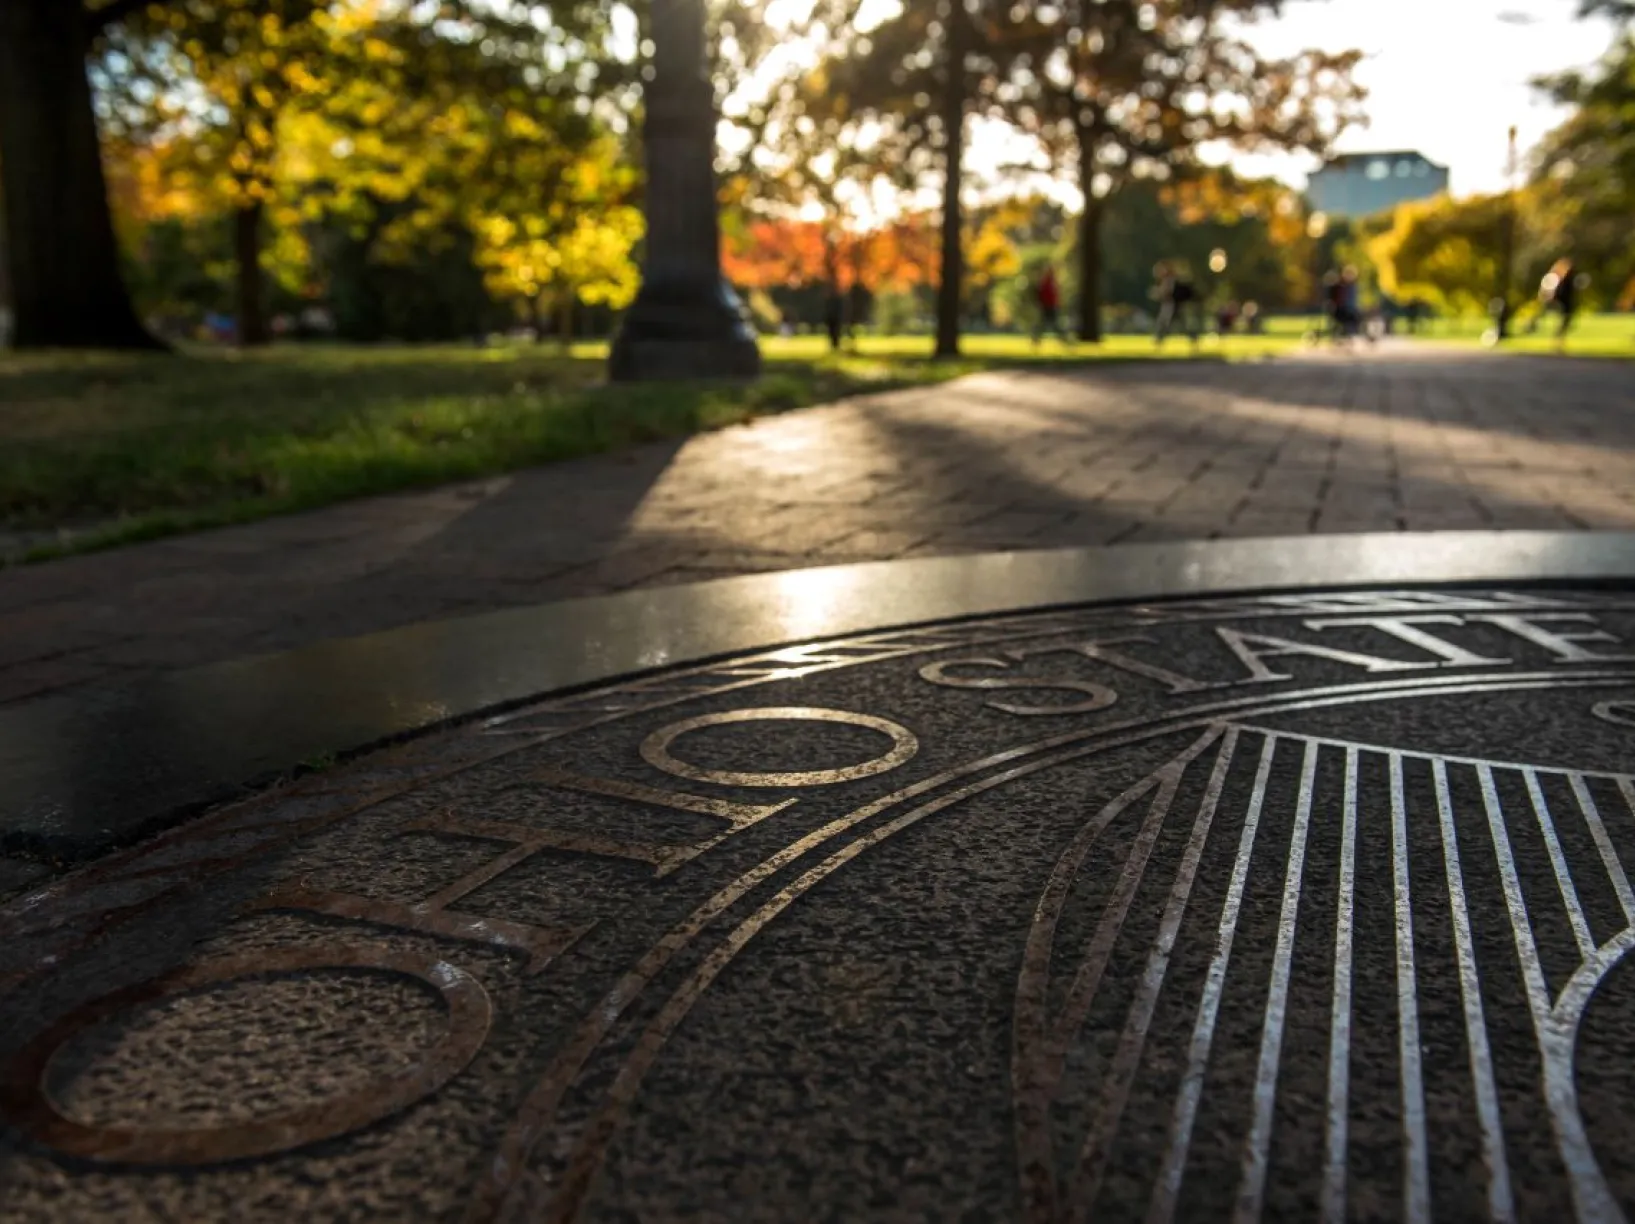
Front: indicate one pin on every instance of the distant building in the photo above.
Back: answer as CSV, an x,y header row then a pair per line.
x,y
1361,184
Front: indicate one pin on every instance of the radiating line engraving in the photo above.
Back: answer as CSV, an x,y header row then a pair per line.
x,y
1097,1148
1416,1187
1501,1206
1553,1022
1555,1030
1339,1033
1253,1188
1603,843
1558,863
629,1039
1168,1188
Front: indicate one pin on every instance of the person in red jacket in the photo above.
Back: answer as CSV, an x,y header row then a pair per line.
x,y
1048,298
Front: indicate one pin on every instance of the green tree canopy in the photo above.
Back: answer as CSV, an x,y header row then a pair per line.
x,y
1584,172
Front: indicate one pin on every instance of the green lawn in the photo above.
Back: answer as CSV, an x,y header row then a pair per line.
x,y
1604,335
99,449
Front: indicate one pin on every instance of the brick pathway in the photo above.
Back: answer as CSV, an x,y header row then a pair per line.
x,y
1405,438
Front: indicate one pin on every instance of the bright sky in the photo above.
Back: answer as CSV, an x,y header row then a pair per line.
x,y
1445,77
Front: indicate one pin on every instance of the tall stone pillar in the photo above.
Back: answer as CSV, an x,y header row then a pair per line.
x,y
686,321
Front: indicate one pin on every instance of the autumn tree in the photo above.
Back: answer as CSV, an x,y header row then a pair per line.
x,y
790,254
572,242
1131,89
810,163
773,253
989,251
239,85
801,151
916,74
218,81
178,257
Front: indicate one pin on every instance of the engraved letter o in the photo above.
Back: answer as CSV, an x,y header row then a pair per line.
x,y
655,748
1618,713
26,1100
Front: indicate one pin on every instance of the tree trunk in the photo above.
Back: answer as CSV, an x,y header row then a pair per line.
x,y
252,310
834,306
5,280
859,290
67,289
1507,261
565,321
1090,261
951,280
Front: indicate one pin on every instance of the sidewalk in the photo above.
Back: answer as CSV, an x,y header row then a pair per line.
x,y
1405,438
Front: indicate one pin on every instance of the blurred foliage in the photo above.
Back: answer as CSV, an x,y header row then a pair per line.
x,y
1583,189
788,252
1578,203
401,126
1110,93
433,169
1444,251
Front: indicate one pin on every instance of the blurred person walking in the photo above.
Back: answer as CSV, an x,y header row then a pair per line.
x,y
1333,306
1047,298
1559,291
1351,311
1177,304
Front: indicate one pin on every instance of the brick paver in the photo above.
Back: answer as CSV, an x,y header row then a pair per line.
x,y
1404,438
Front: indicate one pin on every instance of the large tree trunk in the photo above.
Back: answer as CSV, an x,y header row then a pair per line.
x,y
252,310
1090,258
951,280
67,290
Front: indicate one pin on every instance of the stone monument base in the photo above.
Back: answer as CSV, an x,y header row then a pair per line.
x,y
661,360
684,327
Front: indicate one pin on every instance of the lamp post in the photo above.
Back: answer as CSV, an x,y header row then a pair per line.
x,y
686,321
1316,228
1217,267
1507,238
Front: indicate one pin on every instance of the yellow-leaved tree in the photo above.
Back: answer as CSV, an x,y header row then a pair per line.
x,y
211,86
1445,251
990,253
375,112
574,244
